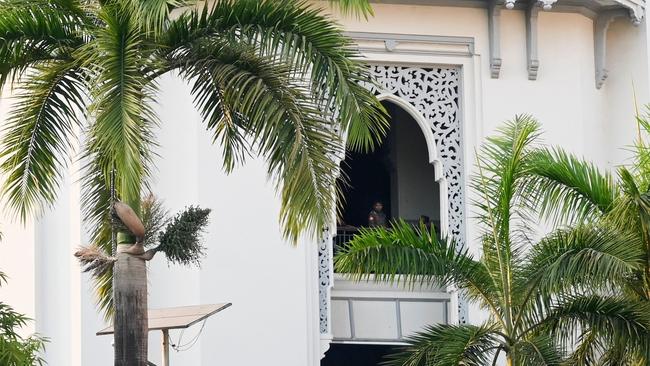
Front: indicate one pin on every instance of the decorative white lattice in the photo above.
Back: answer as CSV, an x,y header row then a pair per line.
x,y
434,93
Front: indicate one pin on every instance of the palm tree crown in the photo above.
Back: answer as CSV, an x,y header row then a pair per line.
x,y
573,192
272,78
538,293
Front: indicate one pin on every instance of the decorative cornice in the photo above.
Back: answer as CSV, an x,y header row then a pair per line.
x,y
601,11
636,9
589,8
412,44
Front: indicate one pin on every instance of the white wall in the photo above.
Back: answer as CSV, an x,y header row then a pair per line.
x,y
248,263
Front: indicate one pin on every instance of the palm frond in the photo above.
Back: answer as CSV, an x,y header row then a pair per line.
x,y
122,134
153,15
39,135
642,148
37,32
503,207
298,35
96,205
568,189
448,345
502,166
255,97
354,7
585,256
414,256
588,351
607,316
95,260
539,349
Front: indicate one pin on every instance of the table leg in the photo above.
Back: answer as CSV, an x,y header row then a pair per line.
x,y
165,347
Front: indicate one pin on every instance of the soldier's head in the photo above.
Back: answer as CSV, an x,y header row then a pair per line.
x,y
378,206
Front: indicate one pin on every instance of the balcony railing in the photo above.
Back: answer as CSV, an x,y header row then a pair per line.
x,y
345,233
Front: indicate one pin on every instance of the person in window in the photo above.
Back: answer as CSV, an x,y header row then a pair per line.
x,y
377,217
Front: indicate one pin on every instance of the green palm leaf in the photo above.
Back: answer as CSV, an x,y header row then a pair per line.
x,y
583,256
414,256
354,7
243,95
609,317
39,135
121,136
448,345
569,189
36,32
314,47
539,349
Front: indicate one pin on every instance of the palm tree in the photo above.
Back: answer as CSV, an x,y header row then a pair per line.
x,y
573,192
534,302
273,78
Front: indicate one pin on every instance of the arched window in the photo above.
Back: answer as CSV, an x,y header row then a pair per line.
x,y
370,322
398,174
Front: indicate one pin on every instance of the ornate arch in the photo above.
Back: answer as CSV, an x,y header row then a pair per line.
x,y
432,96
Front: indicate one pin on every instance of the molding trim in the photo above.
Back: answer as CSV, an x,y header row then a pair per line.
x,y
601,25
494,32
588,8
412,44
636,9
603,12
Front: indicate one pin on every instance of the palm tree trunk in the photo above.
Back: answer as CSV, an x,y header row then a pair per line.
x,y
130,298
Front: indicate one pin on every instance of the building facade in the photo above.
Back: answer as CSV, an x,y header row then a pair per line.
x,y
449,72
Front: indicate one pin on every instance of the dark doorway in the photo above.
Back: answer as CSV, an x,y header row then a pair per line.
x,y
368,181
397,173
357,354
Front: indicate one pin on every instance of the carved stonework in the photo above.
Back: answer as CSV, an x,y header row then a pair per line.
x,y
434,92
324,278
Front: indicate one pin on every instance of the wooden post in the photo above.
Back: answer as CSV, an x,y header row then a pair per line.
x,y
165,347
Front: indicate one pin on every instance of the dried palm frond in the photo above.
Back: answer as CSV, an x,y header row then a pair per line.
x,y
94,260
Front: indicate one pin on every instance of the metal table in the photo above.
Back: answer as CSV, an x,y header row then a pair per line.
x,y
175,318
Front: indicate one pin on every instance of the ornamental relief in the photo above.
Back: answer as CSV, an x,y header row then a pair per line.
x,y
435,93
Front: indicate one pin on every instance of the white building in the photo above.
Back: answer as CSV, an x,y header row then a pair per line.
x,y
449,71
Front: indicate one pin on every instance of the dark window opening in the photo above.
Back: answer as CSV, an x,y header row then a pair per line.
x,y
398,174
357,354
368,181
